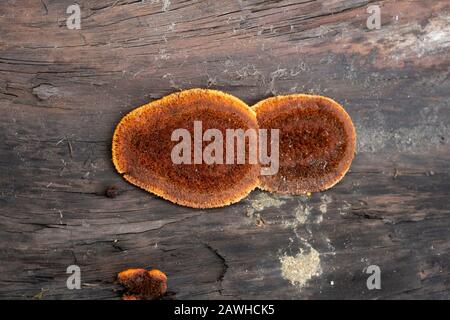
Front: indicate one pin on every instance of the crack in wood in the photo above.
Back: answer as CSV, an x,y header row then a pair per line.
x,y
224,263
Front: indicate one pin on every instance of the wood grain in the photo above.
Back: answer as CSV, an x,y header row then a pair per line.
x,y
63,91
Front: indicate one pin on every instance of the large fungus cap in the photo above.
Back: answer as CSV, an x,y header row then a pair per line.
x,y
142,146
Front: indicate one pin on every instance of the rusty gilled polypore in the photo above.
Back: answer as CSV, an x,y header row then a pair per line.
x,y
141,284
142,147
317,142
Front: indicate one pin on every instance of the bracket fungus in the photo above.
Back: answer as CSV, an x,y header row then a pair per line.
x,y
141,284
316,145
143,145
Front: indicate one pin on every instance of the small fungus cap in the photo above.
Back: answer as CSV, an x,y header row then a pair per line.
x,y
317,142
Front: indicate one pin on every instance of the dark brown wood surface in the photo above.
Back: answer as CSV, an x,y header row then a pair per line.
x,y
63,91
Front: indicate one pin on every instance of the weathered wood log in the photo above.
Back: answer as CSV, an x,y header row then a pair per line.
x,y
63,91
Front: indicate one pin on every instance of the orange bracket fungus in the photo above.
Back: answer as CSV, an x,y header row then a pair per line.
x,y
141,284
316,145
